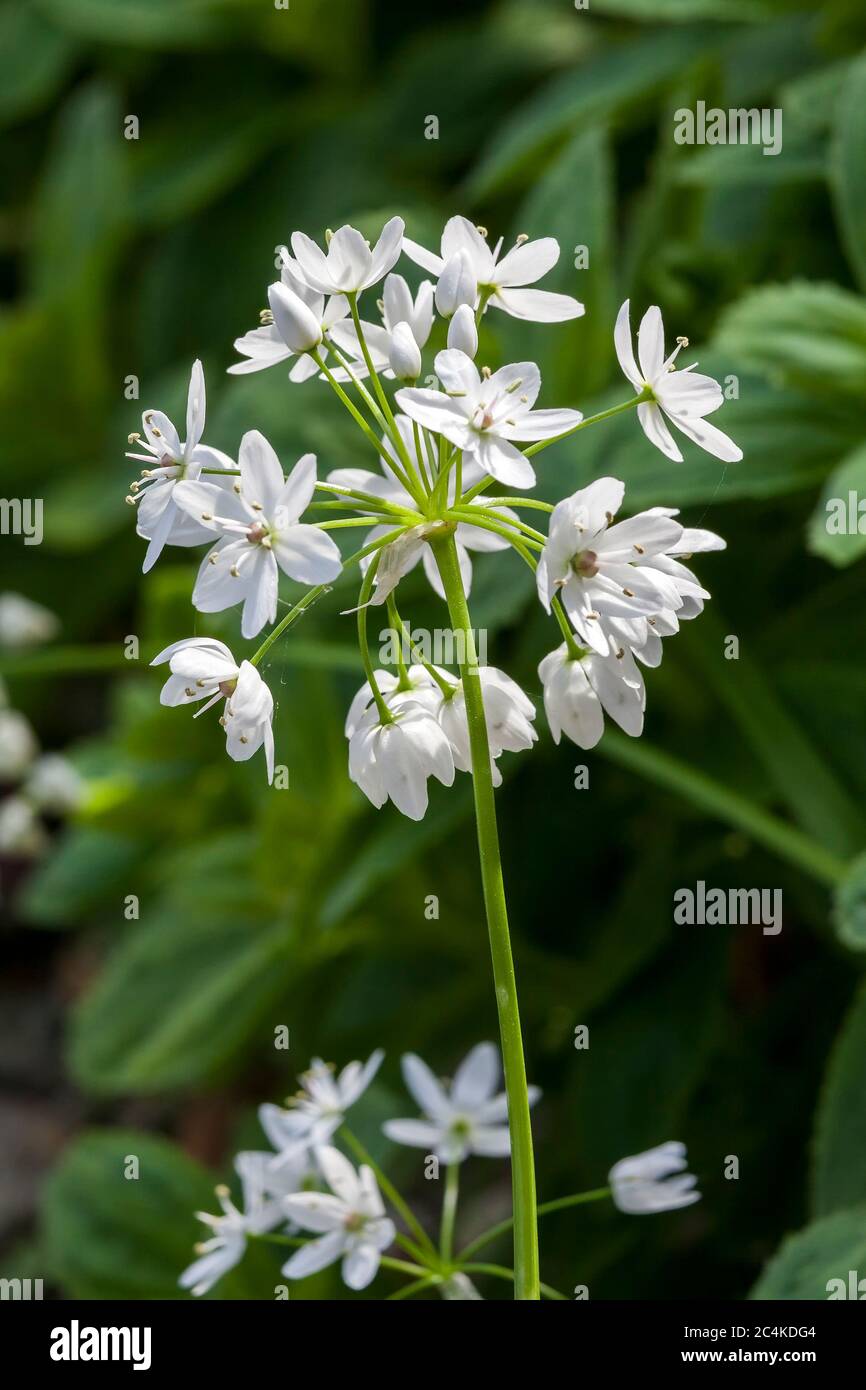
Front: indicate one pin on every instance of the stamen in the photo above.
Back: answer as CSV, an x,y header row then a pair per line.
x,y
482,231
266,317
486,373
629,593
521,239
639,548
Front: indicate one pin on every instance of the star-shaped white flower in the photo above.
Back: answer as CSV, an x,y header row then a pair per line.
x,y
301,316
469,1117
482,415
262,534
160,520
653,1181
684,396
319,1108
350,265
204,669
577,693
501,280
350,1221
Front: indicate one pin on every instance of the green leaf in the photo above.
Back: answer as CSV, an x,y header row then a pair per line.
x,y
849,912
848,168
36,58
679,10
800,334
836,529
806,1262
86,865
839,1173
149,23
112,1236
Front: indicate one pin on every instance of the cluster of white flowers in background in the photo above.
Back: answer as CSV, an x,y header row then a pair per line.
x,y
306,1192
446,450
39,785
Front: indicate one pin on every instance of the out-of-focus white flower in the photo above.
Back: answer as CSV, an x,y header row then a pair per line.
x,y
21,831
261,535
24,623
18,745
463,331
350,1221
393,761
469,1117
204,669
502,281
459,1288
349,265
457,285
319,1108
508,713
653,1181
482,415
577,692
160,521
301,316
684,396
54,785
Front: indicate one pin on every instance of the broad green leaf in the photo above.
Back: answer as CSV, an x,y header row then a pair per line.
x,y
837,527
848,167
800,334
36,58
849,913
108,1235
839,1173
807,1261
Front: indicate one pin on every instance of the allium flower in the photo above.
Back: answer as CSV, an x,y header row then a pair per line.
x,y
684,396
160,521
350,1221
466,1118
18,745
653,1181
24,623
204,669
54,786
398,306
300,317
508,713
319,1108
457,286
577,692
592,563
261,535
422,689
501,280
393,761
463,331
21,831
349,265
482,414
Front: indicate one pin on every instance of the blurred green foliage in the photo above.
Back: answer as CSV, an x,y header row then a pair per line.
x,y
130,257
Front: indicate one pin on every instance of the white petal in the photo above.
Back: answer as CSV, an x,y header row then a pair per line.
x,y
538,306
307,554
315,1256
525,264
476,1078
651,343
424,1087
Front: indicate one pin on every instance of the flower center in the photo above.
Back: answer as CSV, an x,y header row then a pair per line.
x,y
354,1221
585,565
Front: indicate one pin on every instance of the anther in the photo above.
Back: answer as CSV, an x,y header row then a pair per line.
x,y
521,239
482,231
629,593
133,439
639,548
486,373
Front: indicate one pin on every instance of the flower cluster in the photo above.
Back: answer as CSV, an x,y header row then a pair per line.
x,y
449,448
306,1193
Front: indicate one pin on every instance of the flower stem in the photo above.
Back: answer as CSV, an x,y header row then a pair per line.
x,y
449,1211
558,1204
589,420
526,1285
397,1202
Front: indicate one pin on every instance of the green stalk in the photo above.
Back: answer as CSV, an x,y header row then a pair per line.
x,y
558,1204
449,1211
397,1202
526,1280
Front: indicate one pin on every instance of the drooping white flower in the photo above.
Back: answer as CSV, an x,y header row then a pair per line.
x,y
463,331
21,831
301,316
54,786
350,1221
592,562
393,761
502,280
482,415
349,265
261,535
422,689
204,669
319,1108
18,745
160,521
24,623
653,1181
508,712
578,692
684,396
467,1117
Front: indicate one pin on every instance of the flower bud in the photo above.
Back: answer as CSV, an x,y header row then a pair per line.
x,y
296,324
404,354
457,285
462,331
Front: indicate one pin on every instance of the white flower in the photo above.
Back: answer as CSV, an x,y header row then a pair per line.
x,y
301,316
463,331
350,1221
400,312
261,535
394,760
500,280
387,486
404,354
482,415
24,623
653,1181
349,265
508,713
422,689
593,564
456,286
319,1108
18,745
54,785
160,521
466,1118
21,831
684,396
398,306
578,692
204,669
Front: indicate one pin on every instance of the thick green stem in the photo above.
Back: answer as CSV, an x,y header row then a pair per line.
x,y
449,1211
526,1285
